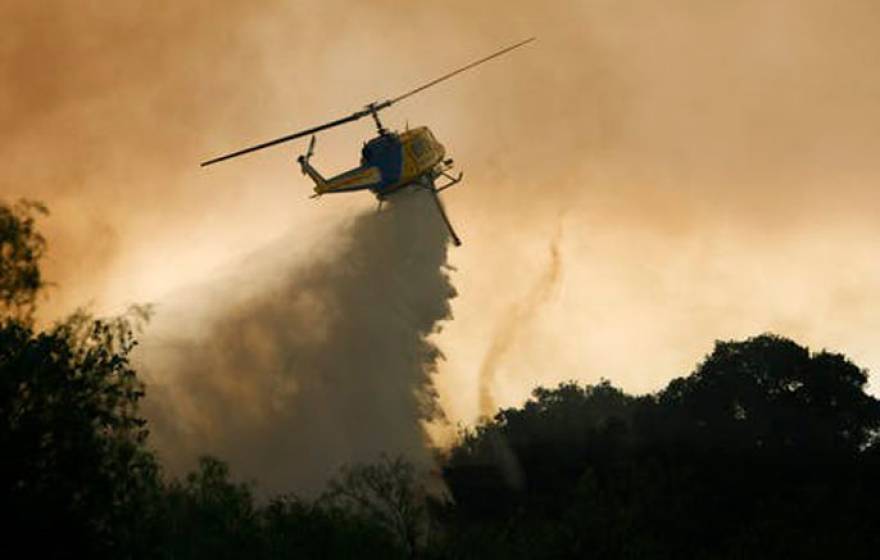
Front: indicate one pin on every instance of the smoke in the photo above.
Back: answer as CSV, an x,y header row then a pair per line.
x,y
717,162
327,364
512,323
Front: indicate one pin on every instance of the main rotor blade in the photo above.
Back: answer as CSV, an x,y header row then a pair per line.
x,y
289,137
372,108
460,70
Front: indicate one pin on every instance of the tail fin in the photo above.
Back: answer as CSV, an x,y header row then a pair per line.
x,y
307,169
311,149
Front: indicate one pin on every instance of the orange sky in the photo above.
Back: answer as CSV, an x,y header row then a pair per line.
x,y
711,166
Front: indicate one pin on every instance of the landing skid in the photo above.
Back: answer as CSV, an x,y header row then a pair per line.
x,y
452,181
426,182
434,190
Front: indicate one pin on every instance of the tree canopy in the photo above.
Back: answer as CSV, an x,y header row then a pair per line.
x,y
75,462
766,450
21,248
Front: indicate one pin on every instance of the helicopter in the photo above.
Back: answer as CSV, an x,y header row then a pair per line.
x,y
391,160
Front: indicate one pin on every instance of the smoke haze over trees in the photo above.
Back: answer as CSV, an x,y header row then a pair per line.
x,y
712,200
766,450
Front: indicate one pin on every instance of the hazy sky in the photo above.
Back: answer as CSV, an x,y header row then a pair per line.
x,y
710,168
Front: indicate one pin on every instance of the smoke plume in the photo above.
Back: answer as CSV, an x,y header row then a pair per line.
x,y
716,160
512,323
329,363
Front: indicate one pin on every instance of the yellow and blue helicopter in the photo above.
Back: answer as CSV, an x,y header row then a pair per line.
x,y
390,161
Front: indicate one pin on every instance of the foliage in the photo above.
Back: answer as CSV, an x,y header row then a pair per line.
x,y
207,515
74,443
75,464
296,528
765,451
770,395
21,248
388,492
525,455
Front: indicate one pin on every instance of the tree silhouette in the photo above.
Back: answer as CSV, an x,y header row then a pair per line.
x,y
21,248
75,464
388,492
766,450
769,395
207,515
538,452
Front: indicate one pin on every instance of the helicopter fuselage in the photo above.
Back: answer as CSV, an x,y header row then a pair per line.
x,y
389,162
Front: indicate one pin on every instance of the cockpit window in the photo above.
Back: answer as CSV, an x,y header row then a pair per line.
x,y
419,147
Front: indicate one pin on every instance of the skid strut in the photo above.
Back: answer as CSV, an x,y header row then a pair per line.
x,y
440,208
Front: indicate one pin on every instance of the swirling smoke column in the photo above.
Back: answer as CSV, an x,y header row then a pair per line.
x,y
329,364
